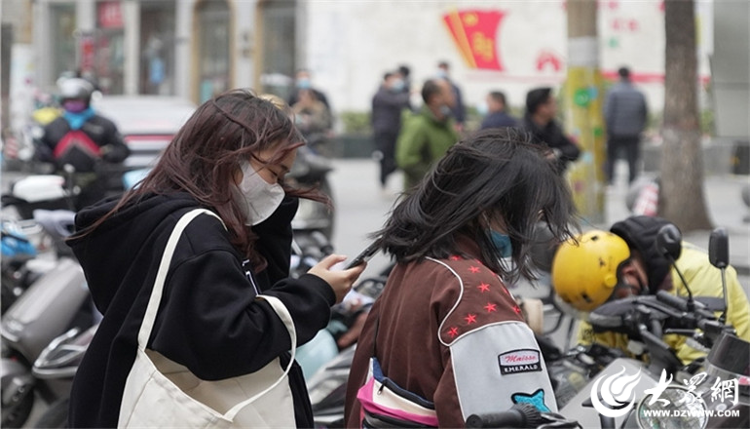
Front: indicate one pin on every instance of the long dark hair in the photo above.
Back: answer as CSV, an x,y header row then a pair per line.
x,y
206,152
496,174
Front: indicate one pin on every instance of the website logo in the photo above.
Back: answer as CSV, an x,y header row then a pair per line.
x,y
617,393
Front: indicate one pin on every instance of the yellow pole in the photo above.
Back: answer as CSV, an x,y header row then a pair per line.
x,y
583,98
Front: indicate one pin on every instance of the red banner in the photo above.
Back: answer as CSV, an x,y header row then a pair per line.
x,y
110,15
475,34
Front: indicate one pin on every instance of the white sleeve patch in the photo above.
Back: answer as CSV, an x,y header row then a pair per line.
x,y
499,365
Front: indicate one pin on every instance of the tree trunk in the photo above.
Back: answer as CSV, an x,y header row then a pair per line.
x,y
681,198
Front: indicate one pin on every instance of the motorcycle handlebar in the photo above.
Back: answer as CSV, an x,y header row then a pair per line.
x,y
672,300
518,416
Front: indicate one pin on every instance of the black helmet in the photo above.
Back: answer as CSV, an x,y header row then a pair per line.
x,y
640,234
76,88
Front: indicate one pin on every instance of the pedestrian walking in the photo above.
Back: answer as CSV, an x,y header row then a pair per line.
x,y
387,106
626,114
190,271
427,134
497,115
458,110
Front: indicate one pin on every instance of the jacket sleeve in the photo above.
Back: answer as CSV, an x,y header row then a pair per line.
x,y
491,357
212,324
391,99
410,148
114,149
275,241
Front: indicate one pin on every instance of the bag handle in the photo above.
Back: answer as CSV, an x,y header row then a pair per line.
x,y
156,294
285,317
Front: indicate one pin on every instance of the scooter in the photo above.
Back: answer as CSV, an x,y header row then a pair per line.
x,y
310,170
54,303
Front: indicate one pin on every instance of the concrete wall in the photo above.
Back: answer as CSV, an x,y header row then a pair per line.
x,y
351,44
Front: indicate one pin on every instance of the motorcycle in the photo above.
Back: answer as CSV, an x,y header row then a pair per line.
x,y
662,391
309,170
61,192
54,303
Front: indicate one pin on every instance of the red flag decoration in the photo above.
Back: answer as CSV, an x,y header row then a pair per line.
x,y
475,34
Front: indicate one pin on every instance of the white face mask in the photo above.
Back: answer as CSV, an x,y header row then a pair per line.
x,y
259,199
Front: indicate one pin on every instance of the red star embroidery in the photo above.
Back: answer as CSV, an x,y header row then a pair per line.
x,y
484,287
471,318
455,258
474,270
453,332
490,307
517,309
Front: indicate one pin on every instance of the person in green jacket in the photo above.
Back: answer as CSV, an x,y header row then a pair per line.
x,y
427,134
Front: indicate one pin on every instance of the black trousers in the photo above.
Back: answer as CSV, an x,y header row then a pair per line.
x,y
386,144
631,147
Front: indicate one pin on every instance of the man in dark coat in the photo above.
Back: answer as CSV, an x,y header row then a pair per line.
x,y
387,106
539,121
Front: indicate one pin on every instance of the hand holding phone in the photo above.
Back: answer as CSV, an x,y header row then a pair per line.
x,y
365,256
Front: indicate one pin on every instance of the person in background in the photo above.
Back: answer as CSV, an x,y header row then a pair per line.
x,y
497,115
387,106
446,331
539,120
231,158
303,81
626,114
83,140
458,110
311,114
601,266
427,134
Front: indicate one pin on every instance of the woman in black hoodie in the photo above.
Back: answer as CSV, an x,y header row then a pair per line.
x,y
230,158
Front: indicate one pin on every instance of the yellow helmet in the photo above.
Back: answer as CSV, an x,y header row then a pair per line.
x,y
584,274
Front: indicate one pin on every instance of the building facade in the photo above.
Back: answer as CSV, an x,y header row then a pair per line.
x,y
189,48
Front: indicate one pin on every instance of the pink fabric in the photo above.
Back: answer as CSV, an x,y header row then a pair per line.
x,y
366,394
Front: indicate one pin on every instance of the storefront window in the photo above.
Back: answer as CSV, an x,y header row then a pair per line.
x,y
157,47
109,62
63,26
214,62
278,23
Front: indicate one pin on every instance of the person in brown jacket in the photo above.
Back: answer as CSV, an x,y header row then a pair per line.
x,y
446,336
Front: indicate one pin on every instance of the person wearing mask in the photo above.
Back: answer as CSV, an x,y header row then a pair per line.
x,y
458,110
497,115
83,140
626,114
539,120
601,266
427,134
303,81
387,106
446,331
230,158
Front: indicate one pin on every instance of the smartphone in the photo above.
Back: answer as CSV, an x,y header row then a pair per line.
x,y
364,256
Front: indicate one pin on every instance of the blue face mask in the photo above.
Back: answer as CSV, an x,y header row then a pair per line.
x,y
502,244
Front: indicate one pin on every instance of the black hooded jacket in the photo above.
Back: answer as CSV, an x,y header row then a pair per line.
x,y
208,319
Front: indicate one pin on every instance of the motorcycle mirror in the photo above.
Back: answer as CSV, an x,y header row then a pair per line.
x,y
718,248
669,242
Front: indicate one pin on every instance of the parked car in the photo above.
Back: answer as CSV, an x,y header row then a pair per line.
x,y
146,122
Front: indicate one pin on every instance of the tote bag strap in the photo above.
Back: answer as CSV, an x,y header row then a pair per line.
x,y
156,293
161,276
285,317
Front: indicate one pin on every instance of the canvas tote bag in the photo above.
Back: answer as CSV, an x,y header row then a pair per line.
x,y
161,393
